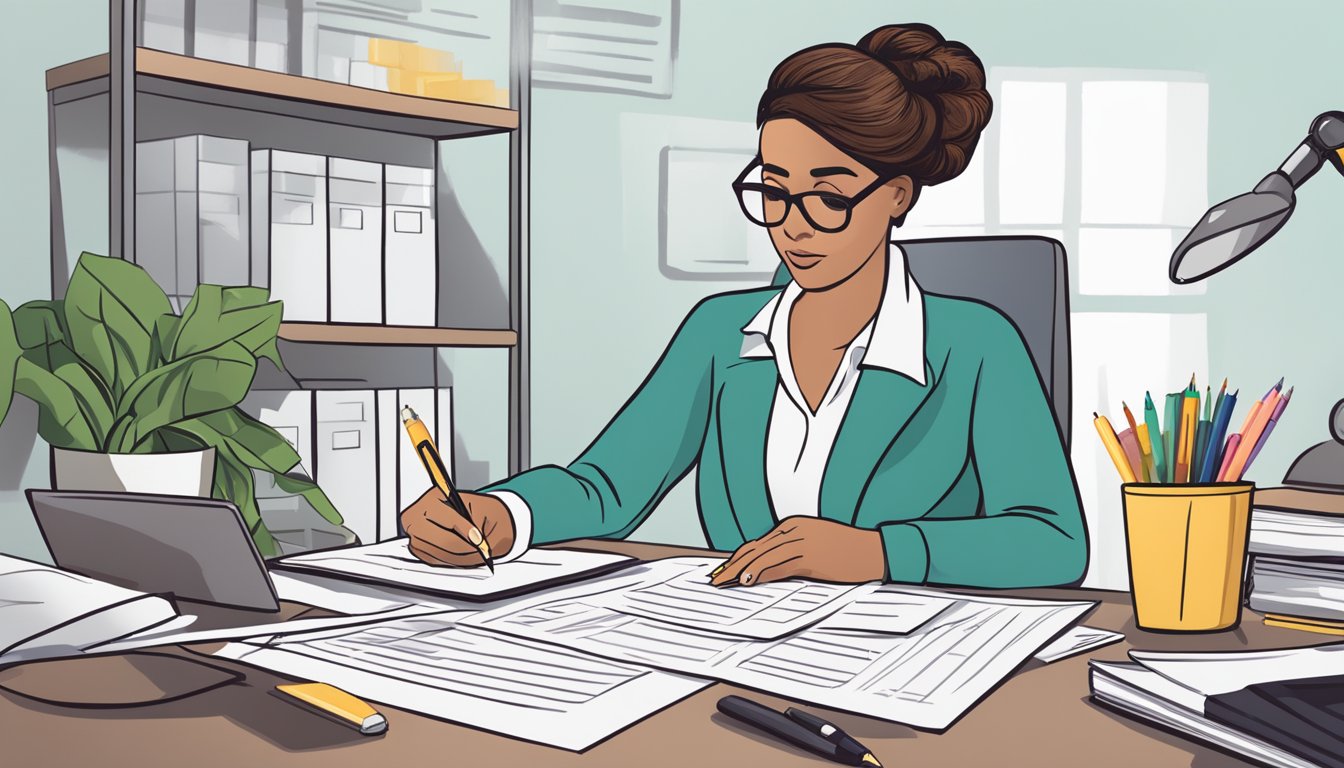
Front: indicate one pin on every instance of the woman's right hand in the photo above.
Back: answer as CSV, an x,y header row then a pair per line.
x,y
440,536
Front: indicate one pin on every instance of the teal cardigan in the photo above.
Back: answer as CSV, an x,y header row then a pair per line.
x,y
965,477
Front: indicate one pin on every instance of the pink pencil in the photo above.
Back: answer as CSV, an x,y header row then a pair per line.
x,y
1232,443
1273,420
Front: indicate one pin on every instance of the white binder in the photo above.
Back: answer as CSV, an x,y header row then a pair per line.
x,y
347,458
355,220
411,252
390,437
192,213
295,242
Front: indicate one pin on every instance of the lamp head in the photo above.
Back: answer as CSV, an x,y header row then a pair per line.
x,y
1233,228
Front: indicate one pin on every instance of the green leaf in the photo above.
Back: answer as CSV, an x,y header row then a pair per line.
x,y
10,352
258,445
315,496
39,323
165,335
61,421
183,389
234,482
217,316
40,328
111,307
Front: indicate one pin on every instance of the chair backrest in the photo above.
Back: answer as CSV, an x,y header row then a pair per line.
x,y
1025,278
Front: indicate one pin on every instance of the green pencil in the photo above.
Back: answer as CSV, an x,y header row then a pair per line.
x,y
1155,437
1172,437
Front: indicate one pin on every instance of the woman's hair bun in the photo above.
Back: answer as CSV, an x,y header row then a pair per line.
x,y
904,100
926,62
949,75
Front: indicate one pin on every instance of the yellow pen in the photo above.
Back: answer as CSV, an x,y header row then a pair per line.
x,y
438,473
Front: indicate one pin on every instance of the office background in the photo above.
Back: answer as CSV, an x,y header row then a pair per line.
x,y
1238,81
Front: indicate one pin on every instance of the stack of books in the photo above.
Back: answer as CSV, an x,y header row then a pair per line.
x,y
1188,447
1297,559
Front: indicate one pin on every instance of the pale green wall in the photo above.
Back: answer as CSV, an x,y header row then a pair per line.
x,y
602,313
601,309
41,35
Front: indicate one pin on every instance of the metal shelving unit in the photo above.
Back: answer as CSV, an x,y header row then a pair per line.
x,y
145,94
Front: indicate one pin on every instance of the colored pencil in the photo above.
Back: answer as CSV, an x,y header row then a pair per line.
x,y
1217,435
1146,445
1154,438
1171,436
1185,450
1251,436
1264,436
1130,443
1228,451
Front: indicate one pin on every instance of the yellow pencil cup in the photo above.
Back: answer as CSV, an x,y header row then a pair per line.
x,y
1187,554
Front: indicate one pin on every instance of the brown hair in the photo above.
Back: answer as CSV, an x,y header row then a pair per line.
x,y
904,101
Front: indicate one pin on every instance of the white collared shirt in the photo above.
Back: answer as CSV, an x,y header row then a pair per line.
x,y
798,442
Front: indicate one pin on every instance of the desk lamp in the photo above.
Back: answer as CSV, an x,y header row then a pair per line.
x,y
1235,227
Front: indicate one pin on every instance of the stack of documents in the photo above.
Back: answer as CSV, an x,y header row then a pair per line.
x,y
568,664
926,678
432,664
46,612
1297,565
1249,703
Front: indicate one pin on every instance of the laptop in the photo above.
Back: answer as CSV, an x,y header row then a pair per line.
x,y
195,548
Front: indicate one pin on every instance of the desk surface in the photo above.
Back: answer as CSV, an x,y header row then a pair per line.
x,y
1040,717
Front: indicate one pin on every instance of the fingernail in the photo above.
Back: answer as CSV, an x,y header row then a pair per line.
x,y
718,570
746,578
475,536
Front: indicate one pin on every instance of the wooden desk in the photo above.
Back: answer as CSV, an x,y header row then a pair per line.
x,y
1040,717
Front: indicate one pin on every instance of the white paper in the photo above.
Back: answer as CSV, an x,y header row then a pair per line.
x,y
1076,641
890,609
485,680
926,679
1145,694
349,597
1213,673
46,611
391,562
263,631
677,590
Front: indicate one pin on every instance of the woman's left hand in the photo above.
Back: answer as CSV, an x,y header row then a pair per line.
x,y
809,548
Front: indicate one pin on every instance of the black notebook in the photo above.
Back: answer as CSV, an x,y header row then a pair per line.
x,y
1304,717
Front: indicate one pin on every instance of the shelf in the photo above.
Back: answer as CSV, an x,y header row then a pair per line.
x,y
211,82
395,335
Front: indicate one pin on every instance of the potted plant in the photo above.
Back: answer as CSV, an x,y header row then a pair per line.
x,y
135,397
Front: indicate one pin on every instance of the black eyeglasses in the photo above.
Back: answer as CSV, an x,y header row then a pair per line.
x,y
768,205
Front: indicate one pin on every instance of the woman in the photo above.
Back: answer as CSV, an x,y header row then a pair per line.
x,y
847,427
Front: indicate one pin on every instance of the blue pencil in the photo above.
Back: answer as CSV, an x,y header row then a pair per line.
x,y
1213,458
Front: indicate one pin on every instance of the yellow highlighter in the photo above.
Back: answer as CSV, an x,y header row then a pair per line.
x,y
438,473
1113,448
333,702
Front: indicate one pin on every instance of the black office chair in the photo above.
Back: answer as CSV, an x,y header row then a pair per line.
x,y
1026,278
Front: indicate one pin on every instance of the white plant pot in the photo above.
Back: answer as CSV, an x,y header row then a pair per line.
x,y
188,473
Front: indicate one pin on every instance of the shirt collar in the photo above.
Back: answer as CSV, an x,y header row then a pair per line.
x,y
895,337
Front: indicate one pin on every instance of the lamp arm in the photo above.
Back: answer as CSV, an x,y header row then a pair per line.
x,y
1323,141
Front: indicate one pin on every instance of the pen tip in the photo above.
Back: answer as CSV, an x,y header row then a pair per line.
x,y
870,760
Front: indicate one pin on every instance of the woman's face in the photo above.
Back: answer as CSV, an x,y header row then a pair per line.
x,y
798,159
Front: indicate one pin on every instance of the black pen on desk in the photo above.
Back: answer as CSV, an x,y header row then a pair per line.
x,y
438,473
800,729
